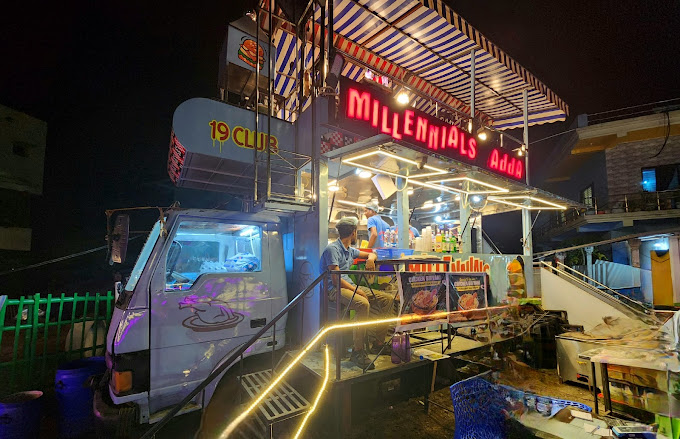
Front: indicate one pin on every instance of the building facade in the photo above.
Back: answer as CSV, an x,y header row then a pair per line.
x,y
626,171
22,156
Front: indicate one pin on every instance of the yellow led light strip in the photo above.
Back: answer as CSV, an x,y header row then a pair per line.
x,y
439,187
394,174
403,319
350,203
496,189
352,162
551,206
318,396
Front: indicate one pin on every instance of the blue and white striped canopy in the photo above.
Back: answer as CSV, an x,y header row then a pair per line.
x,y
426,45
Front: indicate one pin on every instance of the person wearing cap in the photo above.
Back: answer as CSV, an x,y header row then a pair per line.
x,y
376,226
339,255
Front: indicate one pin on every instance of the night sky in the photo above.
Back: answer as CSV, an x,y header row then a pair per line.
x,y
107,78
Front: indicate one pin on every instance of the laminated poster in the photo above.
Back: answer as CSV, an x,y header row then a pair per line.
x,y
422,294
467,295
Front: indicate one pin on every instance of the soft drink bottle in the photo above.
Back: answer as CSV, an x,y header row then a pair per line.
x,y
396,342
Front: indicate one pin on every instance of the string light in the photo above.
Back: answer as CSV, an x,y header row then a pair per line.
x,y
318,395
403,320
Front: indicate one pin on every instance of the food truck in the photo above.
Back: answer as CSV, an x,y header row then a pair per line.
x,y
323,109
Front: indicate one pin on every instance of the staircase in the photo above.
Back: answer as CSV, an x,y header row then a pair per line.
x,y
623,304
284,403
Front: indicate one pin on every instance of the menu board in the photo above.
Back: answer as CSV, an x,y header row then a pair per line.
x,y
467,297
423,296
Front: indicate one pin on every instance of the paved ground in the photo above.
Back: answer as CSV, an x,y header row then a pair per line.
x,y
408,420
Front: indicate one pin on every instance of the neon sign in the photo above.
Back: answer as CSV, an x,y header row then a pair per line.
x,y
361,105
369,109
503,163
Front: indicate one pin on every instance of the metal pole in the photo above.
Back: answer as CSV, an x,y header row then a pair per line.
x,y
331,47
525,111
315,130
257,100
472,89
403,213
269,99
322,46
338,335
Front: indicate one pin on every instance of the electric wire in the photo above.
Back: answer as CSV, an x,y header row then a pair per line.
x,y
668,133
63,258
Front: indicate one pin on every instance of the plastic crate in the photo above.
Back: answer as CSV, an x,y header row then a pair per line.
x,y
392,253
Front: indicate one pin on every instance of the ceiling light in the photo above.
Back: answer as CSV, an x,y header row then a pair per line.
x,y
438,218
248,231
428,203
492,188
457,198
481,134
365,174
402,97
352,161
520,153
476,198
410,192
470,126
350,203
334,188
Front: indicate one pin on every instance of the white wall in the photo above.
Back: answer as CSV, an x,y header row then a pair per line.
x,y
582,308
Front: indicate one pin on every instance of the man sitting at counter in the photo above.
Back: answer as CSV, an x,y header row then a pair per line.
x,y
376,226
340,256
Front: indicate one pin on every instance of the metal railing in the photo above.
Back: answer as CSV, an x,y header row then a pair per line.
x,y
630,306
622,203
38,333
238,353
237,356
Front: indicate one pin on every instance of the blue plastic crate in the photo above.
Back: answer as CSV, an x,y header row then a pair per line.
x,y
392,253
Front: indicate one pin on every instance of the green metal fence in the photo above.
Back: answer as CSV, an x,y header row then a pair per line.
x,y
39,333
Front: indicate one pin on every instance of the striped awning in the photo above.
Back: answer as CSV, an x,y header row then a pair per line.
x,y
426,45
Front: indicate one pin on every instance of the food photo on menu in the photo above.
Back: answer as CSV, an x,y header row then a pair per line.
x,y
423,294
467,295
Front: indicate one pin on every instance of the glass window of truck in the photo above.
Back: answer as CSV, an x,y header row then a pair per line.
x,y
201,247
143,257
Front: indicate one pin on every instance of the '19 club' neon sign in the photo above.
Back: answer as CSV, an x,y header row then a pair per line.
x,y
436,135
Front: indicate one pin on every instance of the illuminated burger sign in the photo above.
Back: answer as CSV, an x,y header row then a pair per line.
x,y
250,52
365,109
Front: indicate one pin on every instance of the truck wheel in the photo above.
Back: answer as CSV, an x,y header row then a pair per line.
x,y
127,426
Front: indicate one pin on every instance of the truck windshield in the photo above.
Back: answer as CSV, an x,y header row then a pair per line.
x,y
143,257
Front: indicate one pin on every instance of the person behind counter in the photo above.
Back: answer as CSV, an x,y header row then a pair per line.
x,y
376,226
339,256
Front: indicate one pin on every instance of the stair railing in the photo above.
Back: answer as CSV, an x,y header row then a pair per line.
x,y
639,309
238,353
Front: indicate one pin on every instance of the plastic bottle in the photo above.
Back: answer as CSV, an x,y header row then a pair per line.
x,y
438,243
455,244
396,344
445,243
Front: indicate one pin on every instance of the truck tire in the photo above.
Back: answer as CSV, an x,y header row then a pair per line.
x,y
127,427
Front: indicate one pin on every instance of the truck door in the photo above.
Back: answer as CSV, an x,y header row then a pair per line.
x,y
210,293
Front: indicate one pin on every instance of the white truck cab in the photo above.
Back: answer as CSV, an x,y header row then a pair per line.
x,y
204,283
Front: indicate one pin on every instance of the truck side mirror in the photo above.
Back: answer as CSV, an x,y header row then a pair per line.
x,y
118,240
